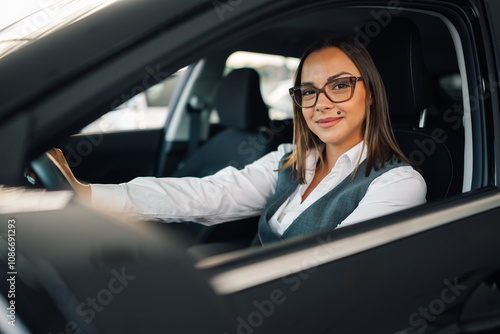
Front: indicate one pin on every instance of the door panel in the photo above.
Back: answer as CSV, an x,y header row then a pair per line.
x,y
414,282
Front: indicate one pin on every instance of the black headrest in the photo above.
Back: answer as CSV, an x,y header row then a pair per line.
x,y
397,53
239,101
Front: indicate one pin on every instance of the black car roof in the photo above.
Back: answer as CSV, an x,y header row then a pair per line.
x,y
36,69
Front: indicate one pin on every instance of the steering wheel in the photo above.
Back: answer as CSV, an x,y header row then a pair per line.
x,y
50,176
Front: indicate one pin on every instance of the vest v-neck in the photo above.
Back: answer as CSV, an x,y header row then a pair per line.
x,y
327,212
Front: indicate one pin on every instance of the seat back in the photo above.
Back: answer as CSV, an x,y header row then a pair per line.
x,y
244,120
397,53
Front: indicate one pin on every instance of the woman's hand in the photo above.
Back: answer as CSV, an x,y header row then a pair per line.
x,y
57,157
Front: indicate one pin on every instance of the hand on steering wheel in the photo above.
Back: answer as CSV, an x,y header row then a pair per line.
x,y
53,170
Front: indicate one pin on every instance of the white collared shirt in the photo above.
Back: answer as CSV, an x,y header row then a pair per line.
x,y
233,194
397,189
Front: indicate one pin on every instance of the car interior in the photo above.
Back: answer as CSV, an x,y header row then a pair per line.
x,y
217,115
188,95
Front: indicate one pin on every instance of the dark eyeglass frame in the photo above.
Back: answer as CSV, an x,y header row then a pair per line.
x,y
322,90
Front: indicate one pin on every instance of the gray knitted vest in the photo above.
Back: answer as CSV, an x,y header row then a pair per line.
x,y
324,214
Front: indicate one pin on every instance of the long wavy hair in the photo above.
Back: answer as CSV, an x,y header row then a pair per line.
x,y
378,136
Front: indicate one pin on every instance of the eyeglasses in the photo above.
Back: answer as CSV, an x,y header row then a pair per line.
x,y
336,90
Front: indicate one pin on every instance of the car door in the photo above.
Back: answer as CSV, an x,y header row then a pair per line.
x,y
431,269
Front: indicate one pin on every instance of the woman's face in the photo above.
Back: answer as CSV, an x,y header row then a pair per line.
x,y
345,130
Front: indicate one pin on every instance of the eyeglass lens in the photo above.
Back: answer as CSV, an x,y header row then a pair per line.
x,y
338,90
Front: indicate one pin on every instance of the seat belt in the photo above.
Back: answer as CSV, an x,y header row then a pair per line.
x,y
195,107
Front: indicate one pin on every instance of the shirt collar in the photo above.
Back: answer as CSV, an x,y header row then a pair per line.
x,y
351,157
355,154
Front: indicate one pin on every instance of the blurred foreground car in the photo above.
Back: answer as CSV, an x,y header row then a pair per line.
x,y
71,269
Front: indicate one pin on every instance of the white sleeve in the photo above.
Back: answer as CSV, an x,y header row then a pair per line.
x,y
397,189
227,195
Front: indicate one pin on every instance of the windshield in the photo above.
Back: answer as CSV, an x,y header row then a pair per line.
x,y
55,15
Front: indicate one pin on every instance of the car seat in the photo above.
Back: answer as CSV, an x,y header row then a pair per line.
x,y
245,134
398,54
244,119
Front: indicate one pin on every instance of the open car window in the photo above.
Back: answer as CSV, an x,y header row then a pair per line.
x,y
145,111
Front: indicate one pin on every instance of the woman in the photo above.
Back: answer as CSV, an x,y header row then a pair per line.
x,y
343,167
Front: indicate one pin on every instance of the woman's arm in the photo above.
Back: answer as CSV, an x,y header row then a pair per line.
x,y
227,195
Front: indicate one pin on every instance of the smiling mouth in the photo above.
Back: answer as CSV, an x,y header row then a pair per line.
x,y
328,122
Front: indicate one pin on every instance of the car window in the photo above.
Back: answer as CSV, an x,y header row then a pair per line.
x,y
276,76
146,110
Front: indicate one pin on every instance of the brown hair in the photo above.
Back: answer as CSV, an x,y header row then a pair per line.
x,y
378,136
